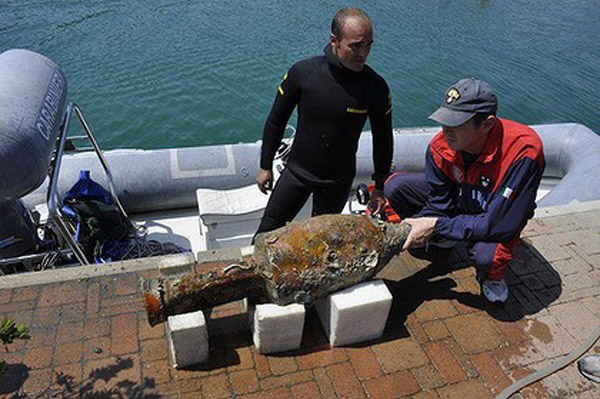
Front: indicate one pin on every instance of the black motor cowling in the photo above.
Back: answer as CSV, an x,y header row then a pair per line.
x,y
17,230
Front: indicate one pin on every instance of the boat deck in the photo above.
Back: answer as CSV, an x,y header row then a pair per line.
x,y
442,340
182,227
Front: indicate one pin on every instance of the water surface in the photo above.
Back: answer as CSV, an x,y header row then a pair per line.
x,y
158,74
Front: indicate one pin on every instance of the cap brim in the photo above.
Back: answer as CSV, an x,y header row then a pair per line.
x,y
448,117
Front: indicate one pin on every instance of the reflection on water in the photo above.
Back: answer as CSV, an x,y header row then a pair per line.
x,y
182,73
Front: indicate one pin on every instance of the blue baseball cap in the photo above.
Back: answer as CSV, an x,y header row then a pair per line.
x,y
465,99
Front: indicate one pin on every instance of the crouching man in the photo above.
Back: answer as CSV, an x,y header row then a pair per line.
x,y
479,186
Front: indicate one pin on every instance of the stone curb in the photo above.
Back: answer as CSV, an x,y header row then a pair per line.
x,y
179,260
96,270
575,207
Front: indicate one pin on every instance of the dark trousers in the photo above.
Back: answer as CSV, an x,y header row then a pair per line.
x,y
407,194
290,194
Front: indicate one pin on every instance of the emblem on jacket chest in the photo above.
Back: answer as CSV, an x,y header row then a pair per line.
x,y
485,181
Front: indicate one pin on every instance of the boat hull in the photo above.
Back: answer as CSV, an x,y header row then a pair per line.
x,y
160,180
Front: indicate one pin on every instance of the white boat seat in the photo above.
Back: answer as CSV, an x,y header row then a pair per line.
x,y
221,205
229,218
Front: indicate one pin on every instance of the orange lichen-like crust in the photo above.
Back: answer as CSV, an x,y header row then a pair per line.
x,y
312,243
151,303
153,306
312,258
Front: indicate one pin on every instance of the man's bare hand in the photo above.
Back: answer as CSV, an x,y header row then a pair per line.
x,y
421,231
377,201
264,180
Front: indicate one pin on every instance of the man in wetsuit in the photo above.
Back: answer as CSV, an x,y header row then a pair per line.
x,y
479,186
334,93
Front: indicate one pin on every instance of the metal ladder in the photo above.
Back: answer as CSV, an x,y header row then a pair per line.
x,y
53,200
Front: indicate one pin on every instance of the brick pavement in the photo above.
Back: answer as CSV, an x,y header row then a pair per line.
x,y
442,340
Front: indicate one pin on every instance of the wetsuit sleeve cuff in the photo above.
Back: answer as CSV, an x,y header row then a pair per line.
x,y
379,180
266,165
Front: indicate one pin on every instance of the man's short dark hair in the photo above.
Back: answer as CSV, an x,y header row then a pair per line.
x,y
480,117
337,23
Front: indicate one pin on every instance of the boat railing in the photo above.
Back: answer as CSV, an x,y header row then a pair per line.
x,y
53,200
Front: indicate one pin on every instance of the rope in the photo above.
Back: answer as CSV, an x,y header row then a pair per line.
x,y
50,260
141,247
552,368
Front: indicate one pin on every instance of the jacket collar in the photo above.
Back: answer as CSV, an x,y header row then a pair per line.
x,y
488,153
492,145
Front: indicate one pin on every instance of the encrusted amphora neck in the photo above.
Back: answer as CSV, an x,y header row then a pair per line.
x,y
167,296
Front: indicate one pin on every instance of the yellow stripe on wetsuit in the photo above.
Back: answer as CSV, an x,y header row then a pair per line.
x,y
282,80
356,110
389,103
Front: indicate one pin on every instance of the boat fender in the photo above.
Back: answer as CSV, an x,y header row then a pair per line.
x,y
33,91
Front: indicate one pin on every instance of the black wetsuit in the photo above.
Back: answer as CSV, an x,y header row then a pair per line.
x,y
333,105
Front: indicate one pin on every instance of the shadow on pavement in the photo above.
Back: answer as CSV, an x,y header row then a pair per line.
x,y
532,281
102,382
13,378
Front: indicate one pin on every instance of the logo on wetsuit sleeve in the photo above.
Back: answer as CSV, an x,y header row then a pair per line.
x,y
282,80
389,103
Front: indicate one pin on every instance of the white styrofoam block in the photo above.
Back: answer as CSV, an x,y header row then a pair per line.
x,y
277,328
188,339
356,314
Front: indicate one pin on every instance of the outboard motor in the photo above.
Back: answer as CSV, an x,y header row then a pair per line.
x,y
33,92
17,230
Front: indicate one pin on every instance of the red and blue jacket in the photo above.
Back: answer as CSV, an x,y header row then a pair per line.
x,y
493,198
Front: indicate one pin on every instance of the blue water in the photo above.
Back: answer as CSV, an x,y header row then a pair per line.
x,y
157,74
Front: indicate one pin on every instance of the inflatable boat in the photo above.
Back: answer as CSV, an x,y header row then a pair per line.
x,y
201,197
